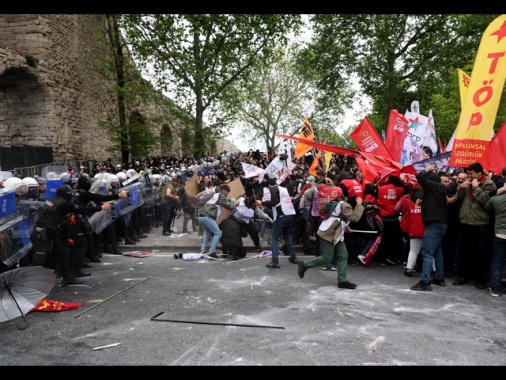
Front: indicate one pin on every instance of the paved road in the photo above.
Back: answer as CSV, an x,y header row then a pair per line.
x,y
167,312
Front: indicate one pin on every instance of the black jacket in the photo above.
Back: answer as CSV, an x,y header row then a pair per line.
x,y
54,213
434,202
234,230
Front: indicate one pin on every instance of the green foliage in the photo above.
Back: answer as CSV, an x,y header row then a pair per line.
x,y
398,58
276,99
134,135
197,56
31,61
341,139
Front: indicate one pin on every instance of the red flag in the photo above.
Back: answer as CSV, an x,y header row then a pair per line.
x,y
381,164
441,146
323,146
49,305
495,154
370,175
397,130
368,140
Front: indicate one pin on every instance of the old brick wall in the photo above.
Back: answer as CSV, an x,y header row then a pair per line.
x,y
59,102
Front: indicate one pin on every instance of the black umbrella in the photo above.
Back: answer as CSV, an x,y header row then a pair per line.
x,y
22,289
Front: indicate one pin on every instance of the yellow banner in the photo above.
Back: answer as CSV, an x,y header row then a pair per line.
x,y
328,157
478,114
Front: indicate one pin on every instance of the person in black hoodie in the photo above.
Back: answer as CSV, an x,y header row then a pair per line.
x,y
435,219
233,230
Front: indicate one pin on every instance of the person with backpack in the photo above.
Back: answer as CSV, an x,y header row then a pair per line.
x,y
168,200
299,230
189,212
335,221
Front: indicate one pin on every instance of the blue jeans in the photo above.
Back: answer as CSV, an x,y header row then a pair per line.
x,y
211,231
432,251
498,260
282,226
265,224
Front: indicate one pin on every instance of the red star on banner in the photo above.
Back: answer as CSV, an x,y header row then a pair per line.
x,y
500,33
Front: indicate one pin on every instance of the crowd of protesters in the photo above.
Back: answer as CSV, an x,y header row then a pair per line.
x,y
443,224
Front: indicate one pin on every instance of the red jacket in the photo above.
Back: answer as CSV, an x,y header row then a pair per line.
x,y
416,228
402,207
388,196
352,186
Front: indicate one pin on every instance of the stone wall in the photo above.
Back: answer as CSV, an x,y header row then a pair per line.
x,y
51,94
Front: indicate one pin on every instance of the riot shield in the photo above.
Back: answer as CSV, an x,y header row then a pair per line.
x,y
54,178
16,225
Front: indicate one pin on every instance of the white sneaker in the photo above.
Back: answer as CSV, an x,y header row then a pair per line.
x,y
334,268
361,258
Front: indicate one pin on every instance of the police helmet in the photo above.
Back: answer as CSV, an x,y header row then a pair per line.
x,y
65,177
30,182
13,183
131,173
84,181
121,176
40,180
65,192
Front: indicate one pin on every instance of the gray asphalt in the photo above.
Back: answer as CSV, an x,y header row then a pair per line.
x,y
162,311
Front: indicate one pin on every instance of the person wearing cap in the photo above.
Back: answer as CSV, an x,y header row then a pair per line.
x,y
331,232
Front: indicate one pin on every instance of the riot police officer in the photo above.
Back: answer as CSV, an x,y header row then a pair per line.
x,y
53,223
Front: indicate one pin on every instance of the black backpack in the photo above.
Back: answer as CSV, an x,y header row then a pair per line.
x,y
296,204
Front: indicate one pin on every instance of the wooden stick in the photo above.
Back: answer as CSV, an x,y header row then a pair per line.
x,y
114,295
